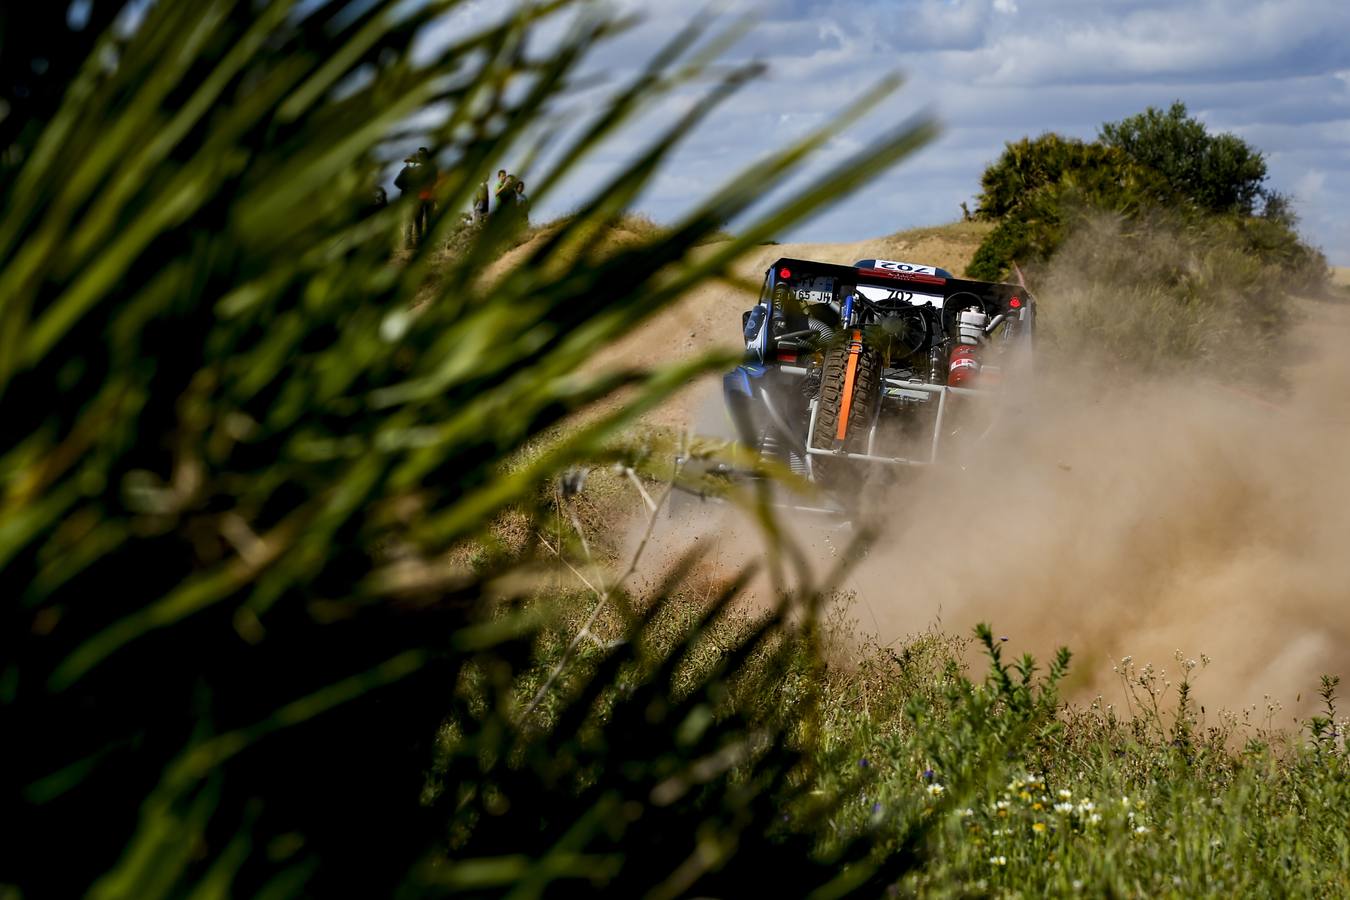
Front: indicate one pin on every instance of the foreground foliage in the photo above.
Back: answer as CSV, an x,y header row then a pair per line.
x,y
242,447
1144,801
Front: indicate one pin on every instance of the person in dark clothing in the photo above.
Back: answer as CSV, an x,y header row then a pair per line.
x,y
522,202
418,177
480,202
506,192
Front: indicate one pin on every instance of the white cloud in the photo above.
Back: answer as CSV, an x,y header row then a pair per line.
x,y
1275,72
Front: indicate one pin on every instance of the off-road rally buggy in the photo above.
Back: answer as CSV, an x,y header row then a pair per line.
x,y
878,364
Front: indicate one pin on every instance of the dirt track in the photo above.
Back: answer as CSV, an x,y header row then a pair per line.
x,y
1126,519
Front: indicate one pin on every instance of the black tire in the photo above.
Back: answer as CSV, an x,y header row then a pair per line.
x,y
866,393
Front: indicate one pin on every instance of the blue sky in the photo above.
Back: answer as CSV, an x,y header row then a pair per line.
x,y
1274,72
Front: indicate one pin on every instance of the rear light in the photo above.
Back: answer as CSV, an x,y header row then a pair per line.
x,y
1015,303
786,357
785,272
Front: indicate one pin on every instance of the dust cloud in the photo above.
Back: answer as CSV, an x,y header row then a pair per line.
x,y
1119,518
1143,518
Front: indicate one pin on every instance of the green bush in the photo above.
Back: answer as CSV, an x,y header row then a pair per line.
x,y
245,441
1041,191
1219,173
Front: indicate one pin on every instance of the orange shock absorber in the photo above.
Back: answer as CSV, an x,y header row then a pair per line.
x,y
850,373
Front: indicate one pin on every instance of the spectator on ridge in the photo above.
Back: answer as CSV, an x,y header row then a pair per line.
x,y
480,202
418,177
505,193
522,205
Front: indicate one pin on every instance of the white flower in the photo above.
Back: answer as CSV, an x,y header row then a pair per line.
x,y
1141,829
1085,806
1063,808
967,812
1077,885
1094,819
1065,793
998,860
1002,804
936,789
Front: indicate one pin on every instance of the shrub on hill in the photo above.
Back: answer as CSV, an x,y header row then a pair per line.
x,y
1040,191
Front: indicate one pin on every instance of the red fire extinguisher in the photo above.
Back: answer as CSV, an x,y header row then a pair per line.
x,y
964,366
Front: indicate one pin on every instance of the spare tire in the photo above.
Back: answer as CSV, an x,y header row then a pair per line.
x,y
861,401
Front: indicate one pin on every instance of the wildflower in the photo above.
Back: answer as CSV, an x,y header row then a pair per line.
x,y
1094,819
1002,804
1077,885
927,774
862,763
876,808
1085,806
936,789
998,860
1141,829
1038,806
967,812
1063,808
1065,793
1024,795
1038,827
1015,785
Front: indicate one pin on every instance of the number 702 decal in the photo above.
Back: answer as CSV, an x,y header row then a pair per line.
x,y
905,267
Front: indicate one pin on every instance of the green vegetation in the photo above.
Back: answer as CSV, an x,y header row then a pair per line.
x,y
260,637
1002,791
1040,191
246,444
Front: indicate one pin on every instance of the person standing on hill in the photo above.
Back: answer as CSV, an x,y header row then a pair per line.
x,y
522,205
418,177
480,202
430,176
506,191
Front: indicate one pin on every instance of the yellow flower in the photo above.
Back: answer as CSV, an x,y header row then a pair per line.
x,y
1024,795
1038,827
1037,806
